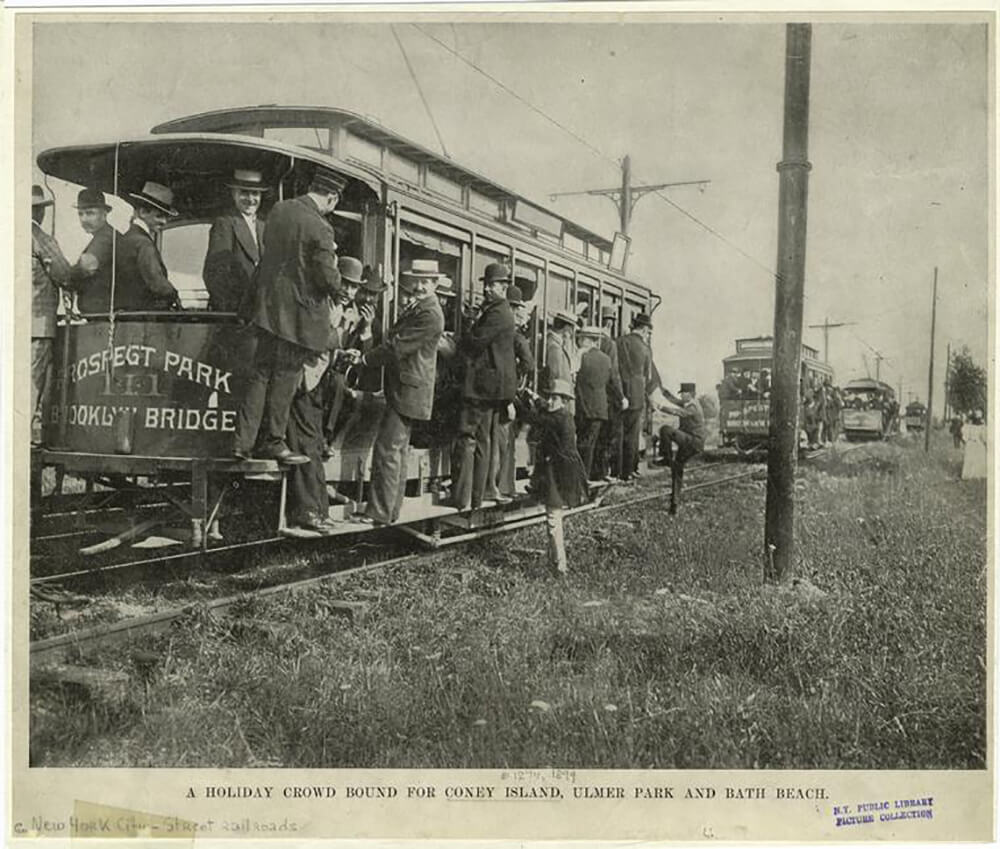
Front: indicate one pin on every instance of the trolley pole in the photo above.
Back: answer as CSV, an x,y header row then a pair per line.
x,y
930,371
625,207
779,531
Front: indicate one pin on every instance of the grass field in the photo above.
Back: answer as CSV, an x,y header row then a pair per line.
x,y
661,649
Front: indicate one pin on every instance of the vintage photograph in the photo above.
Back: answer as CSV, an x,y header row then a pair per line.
x,y
450,393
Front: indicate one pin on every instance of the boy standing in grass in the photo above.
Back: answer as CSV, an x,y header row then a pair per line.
x,y
559,478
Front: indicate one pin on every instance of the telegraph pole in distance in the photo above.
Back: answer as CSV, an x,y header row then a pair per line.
x,y
626,196
827,327
878,365
930,371
779,530
947,383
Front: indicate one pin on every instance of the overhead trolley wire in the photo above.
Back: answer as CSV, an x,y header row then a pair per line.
x,y
595,150
420,91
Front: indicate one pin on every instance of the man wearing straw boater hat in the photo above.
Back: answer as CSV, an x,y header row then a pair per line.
x,y
296,280
489,387
90,277
234,245
140,278
409,356
49,271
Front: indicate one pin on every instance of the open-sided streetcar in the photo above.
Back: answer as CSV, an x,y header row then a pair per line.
x,y
745,391
916,416
149,400
870,409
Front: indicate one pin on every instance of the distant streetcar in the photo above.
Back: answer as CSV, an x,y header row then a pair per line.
x,y
916,416
870,410
745,391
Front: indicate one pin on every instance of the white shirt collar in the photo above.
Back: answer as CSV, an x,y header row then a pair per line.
x,y
142,226
251,221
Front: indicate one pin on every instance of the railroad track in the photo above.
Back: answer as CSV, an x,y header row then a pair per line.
x,y
54,648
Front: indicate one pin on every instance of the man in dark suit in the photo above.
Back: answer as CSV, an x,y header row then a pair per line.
x,y
608,456
140,281
524,360
689,436
596,393
90,277
291,312
234,246
489,387
409,356
634,363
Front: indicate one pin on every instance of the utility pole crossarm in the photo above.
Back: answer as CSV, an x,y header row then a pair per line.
x,y
624,197
827,326
616,192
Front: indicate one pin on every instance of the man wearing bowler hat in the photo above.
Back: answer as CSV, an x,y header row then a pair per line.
x,y
689,436
49,271
296,279
140,278
356,330
524,361
635,362
489,387
234,245
409,356
90,277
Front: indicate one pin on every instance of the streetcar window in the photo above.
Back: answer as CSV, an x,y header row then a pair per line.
x,y
557,293
183,249
586,299
443,186
481,259
572,243
481,203
417,243
405,168
364,150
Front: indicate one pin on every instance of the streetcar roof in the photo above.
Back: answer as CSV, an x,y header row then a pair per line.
x,y
867,384
256,119
194,160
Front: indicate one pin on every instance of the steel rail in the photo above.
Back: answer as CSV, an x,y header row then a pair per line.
x,y
53,648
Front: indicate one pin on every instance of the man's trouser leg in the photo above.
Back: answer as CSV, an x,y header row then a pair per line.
x,y
631,425
389,457
308,499
687,447
263,415
614,449
666,445
463,485
41,384
587,435
508,461
557,543
499,447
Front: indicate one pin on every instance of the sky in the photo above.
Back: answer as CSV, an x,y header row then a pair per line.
x,y
898,145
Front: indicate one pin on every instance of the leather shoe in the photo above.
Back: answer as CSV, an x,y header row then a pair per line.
x,y
285,455
320,526
240,454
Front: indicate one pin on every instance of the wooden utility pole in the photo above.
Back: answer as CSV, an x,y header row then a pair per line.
x,y
878,365
827,327
779,530
947,383
930,371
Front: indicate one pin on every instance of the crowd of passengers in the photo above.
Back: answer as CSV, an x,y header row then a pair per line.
x,y
311,332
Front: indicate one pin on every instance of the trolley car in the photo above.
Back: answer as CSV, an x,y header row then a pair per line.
x,y
745,391
916,416
148,400
870,409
